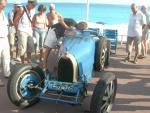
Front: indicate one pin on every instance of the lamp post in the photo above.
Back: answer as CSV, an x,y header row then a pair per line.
x,y
87,10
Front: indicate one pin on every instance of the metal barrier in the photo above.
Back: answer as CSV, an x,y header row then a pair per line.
x,y
112,35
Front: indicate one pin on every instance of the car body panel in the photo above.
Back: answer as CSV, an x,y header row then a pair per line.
x,y
83,49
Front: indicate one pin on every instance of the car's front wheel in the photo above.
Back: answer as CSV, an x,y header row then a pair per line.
x,y
104,94
22,87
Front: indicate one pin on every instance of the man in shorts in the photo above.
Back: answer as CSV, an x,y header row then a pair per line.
x,y
146,31
12,30
23,23
136,24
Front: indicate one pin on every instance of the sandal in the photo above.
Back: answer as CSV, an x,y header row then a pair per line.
x,y
140,57
127,59
135,61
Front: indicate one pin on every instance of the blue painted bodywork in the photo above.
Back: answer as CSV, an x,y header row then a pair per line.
x,y
63,89
83,49
24,90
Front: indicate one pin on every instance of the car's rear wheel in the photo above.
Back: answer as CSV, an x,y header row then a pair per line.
x,y
104,94
100,54
22,86
108,53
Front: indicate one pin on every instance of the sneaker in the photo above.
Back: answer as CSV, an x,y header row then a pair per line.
x,y
1,83
140,57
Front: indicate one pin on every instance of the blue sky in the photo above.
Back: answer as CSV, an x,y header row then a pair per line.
x,y
126,2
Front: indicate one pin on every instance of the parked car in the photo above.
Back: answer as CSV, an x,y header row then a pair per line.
x,y
76,64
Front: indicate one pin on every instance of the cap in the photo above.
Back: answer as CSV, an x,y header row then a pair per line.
x,y
17,3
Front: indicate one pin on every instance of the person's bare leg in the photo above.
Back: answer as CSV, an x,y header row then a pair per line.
x,y
41,54
145,45
46,54
22,59
36,55
128,57
142,48
135,58
11,50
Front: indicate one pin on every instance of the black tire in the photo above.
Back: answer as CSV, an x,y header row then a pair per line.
x,y
108,53
17,88
104,94
100,54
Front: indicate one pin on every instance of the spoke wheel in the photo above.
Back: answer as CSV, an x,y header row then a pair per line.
x,y
102,59
100,54
27,80
22,86
107,60
104,95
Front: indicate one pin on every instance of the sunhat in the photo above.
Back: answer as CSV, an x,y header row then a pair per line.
x,y
17,3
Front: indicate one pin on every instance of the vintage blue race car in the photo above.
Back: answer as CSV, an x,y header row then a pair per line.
x,y
77,62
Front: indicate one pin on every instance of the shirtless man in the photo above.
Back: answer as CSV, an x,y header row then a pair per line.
x,y
55,20
53,16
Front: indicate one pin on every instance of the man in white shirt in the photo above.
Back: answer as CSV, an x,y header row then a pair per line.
x,y
137,23
23,23
4,44
11,29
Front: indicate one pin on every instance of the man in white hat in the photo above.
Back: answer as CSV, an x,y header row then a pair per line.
x,y
4,45
23,23
12,30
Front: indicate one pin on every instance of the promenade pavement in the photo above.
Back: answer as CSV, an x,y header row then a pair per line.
x,y
133,94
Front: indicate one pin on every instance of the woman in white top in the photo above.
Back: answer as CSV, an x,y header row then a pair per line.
x,y
40,23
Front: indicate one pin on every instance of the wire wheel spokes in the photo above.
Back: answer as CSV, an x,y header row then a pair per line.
x,y
108,98
102,59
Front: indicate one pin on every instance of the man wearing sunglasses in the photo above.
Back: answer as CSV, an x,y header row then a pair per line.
x,y
4,44
23,24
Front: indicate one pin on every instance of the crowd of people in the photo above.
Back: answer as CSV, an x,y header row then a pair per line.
x,y
31,33
25,28
138,33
